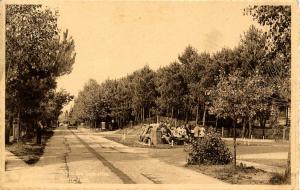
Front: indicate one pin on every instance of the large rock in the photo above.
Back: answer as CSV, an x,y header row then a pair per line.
x,y
156,134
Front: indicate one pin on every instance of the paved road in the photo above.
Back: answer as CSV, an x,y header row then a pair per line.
x,y
81,156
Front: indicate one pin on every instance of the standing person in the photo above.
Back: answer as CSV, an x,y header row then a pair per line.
x,y
189,134
39,132
188,131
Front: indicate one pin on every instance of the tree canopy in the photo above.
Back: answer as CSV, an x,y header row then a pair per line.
x,y
36,55
245,80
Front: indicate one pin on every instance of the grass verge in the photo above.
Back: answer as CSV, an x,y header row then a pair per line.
x,y
279,179
28,150
269,162
241,175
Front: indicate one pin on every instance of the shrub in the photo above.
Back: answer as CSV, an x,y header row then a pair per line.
x,y
278,179
247,169
277,133
210,150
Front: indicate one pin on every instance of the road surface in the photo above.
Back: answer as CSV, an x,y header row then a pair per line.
x,y
81,156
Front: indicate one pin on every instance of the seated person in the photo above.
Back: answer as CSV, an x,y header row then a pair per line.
x,y
182,132
188,130
199,132
166,134
175,133
146,135
147,138
202,132
196,131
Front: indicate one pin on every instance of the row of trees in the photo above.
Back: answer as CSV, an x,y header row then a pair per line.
x,y
246,83
36,55
249,82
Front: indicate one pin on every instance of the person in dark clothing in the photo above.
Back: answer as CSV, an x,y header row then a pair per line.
x,y
39,132
166,134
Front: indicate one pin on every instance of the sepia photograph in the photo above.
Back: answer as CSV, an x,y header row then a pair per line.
x,y
110,93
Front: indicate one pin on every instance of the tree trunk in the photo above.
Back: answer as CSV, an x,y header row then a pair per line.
x,y
287,116
216,124
204,115
250,128
143,114
172,112
186,116
261,121
234,143
244,128
197,110
8,128
264,127
139,116
288,166
38,134
19,126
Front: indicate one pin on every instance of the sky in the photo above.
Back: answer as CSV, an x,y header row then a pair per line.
x,y
113,39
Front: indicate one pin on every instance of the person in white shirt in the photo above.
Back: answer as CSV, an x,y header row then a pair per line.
x,y
199,132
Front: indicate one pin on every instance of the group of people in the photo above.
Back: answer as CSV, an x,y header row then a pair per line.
x,y
182,133
171,134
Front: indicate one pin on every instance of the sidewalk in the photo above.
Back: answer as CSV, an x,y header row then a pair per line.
x,y
14,167
49,169
13,162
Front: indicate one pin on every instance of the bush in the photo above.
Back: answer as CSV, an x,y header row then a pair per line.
x,y
210,150
247,169
278,179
